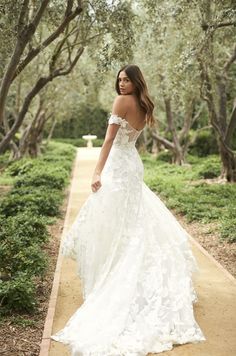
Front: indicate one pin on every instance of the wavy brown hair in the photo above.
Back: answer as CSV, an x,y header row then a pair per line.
x,y
136,77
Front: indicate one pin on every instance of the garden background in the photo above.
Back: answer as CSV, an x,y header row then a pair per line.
x,y
58,64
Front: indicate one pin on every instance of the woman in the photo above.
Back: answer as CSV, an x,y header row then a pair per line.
x,y
133,256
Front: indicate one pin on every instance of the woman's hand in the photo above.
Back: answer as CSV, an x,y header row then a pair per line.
x,y
96,182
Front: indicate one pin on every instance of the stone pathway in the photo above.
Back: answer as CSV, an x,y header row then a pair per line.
x,y
215,310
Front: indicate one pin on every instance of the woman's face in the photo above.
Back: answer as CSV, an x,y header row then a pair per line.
x,y
125,85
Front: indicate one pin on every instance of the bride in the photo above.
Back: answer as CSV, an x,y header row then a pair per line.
x,y
134,258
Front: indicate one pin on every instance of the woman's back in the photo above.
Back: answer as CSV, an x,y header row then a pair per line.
x,y
134,113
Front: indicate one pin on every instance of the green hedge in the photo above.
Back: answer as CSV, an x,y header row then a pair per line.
x,y
79,142
41,200
83,119
36,195
51,177
18,294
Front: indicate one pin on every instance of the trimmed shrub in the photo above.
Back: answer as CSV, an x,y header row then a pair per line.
x,y
15,258
55,178
24,214
18,294
52,161
28,227
20,167
59,149
40,201
20,240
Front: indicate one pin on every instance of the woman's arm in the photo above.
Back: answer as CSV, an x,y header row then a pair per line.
x,y
119,108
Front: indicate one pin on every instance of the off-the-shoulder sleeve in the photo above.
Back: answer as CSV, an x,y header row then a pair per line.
x,y
115,119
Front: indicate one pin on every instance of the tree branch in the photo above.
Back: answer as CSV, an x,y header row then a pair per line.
x,y
41,83
23,38
232,125
187,121
81,42
21,19
206,26
163,140
230,61
39,13
73,63
69,7
69,16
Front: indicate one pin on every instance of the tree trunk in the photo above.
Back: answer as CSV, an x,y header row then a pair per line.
x,y
51,131
229,164
25,33
177,149
223,128
155,146
41,83
17,64
32,137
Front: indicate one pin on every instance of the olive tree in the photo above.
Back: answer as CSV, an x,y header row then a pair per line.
x,y
168,65
217,57
192,51
51,36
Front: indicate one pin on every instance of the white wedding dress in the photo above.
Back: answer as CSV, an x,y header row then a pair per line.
x,y
135,265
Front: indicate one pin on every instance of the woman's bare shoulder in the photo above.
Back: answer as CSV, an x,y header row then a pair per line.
x,y
123,99
120,105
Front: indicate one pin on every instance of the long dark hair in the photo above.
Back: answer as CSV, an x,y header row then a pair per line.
x,y
136,77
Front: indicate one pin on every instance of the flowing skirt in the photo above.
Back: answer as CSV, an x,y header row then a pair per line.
x,y
136,267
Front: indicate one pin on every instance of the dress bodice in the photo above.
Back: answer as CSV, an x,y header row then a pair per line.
x,y
126,135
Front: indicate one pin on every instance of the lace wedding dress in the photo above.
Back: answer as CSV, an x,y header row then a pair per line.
x,y
135,265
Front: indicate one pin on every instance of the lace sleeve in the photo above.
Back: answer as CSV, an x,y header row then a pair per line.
x,y
115,119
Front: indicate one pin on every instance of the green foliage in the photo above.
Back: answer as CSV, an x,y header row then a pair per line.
x,y
18,294
227,229
6,180
21,166
59,150
180,188
50,177
164,156
210,167
85,119
41,200
205,144
28,227
79,142
36,194
15,257
17,320
4,159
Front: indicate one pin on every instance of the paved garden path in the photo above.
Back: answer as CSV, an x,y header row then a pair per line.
x,y
216,288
